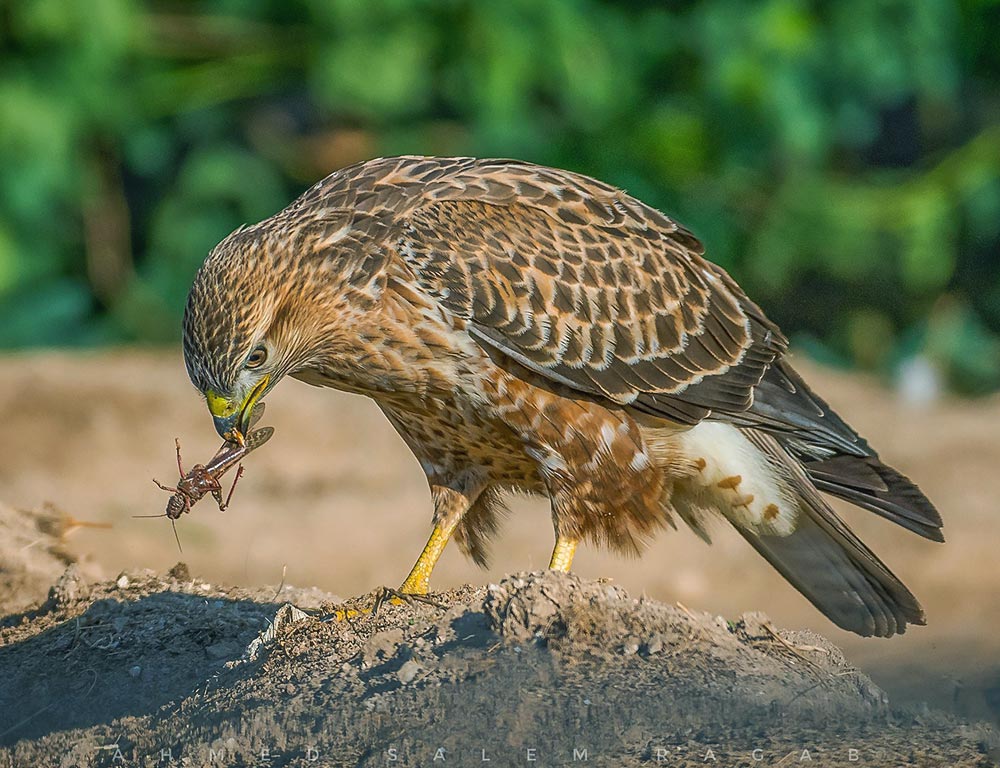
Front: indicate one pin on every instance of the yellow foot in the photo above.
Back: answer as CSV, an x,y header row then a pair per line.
x,y
418,582
345,614
562,554
383,596
402,597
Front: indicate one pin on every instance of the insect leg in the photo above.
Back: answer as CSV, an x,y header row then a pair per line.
x,y
180,468
239,474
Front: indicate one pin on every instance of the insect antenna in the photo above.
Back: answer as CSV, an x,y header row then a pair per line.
x,y
173,524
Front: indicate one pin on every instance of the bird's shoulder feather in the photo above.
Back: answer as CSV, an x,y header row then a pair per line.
x,y
577,281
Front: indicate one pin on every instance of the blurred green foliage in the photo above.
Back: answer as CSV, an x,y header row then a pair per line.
x,y
841,159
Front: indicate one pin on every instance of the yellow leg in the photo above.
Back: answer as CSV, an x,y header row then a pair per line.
x,y
562,554
418,582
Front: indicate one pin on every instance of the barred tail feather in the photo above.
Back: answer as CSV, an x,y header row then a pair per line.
x,y
827,563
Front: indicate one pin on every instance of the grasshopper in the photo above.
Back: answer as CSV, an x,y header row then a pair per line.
x,y
204,479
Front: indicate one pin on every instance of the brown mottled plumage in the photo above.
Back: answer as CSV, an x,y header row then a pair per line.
x,y
533,329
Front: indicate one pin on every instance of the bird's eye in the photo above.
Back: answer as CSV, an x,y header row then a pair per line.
x,y
257,358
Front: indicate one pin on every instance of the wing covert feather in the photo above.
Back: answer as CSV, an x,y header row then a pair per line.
x,y
590,288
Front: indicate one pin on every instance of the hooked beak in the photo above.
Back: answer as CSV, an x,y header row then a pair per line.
x,y
232,418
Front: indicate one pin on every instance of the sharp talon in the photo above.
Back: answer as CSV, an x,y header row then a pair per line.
x,y
397,597
383,595
343,614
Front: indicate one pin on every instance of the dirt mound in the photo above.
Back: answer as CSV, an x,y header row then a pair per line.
x,y
33,554
337,497
152,670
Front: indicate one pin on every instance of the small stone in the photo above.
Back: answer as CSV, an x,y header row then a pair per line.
x,y
290,689
408,672
543,609
180,572
69,588
655,643
631,647
122,582
135,671
383,645
220,651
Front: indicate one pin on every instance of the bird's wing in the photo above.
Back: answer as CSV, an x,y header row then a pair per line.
x,y
590,288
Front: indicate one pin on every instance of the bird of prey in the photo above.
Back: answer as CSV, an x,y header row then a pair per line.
x,y
532,329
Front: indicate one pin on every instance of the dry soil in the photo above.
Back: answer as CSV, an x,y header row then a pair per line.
x,y
335,501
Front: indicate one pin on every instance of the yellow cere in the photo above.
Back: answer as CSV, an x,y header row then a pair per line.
x,y
219,406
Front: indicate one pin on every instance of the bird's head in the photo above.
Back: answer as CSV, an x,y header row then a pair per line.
x,y
241,330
